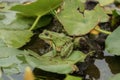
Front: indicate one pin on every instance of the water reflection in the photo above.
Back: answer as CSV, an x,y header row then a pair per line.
x,y
114,63
44,75
103,68
13,77
92,72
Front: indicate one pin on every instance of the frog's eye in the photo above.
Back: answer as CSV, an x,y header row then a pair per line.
x,y
46,34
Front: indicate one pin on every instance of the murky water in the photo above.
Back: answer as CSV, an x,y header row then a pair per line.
x,y
13,77
104,68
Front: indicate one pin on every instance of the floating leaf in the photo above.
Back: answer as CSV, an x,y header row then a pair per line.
x,y
76,56
15,68
112,43
5,52
14,38
40,7
5,62
105,2
115,77
12,20
12,60
76,23
69,77
56,64
11,69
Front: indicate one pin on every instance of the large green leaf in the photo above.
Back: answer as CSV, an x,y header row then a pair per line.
x,y
56,64
112,43
40,7
12,60
81,5
14,21
15,68
11,20
105,2
15,38
115,77
76,23
5,52
9,61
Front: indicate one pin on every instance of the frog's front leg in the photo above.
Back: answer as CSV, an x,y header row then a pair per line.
x,y
66,49
54,49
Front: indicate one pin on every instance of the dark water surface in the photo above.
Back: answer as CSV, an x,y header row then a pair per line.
x,y
103,68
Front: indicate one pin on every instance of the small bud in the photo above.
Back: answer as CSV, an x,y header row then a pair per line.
x,y
94,31
28,75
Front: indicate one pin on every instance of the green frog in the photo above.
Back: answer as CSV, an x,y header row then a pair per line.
x,y
60,43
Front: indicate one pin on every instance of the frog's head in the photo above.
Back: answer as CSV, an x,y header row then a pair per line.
x,y
45,35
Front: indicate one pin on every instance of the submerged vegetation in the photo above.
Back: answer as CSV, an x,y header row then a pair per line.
x,y
78,25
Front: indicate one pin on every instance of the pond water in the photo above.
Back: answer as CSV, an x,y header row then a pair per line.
x,y
103,68
13,77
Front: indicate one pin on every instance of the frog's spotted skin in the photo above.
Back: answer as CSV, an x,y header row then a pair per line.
x,y
59,41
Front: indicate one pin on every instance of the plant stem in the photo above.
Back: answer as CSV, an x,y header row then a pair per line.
x,y
35,22
103,31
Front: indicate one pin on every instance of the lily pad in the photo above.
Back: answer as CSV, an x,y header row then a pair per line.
x,y
14,21
76,23
56,64
12,60
15,38
5,52
105,2
9,61
115,77
40,7
112,43
11,20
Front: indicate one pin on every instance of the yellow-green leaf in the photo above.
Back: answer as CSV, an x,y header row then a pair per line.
x,y
112,43
76,23
40,7
15,38
105,2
